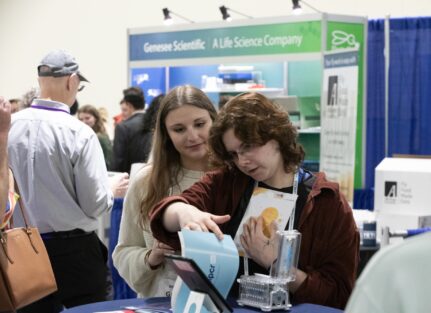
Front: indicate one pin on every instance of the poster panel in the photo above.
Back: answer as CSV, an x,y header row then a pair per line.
x,y
338,118
348,35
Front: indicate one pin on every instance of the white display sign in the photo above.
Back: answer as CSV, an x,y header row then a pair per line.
x,y
338,119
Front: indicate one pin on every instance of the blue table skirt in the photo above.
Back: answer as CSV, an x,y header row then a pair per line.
x,y
165,304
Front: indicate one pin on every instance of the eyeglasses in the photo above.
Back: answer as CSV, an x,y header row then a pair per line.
x,y
80,86
245,150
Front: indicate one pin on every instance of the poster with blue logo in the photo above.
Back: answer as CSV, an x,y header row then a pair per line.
x,y
338,116
151,80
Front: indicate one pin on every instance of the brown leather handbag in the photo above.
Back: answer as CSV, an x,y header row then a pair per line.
x,y
25,269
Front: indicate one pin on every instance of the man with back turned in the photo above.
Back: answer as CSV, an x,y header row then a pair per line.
x,y
59,167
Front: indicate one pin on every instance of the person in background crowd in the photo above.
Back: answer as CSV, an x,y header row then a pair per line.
x,y
118,119
15,105
130,105
259,143
150,118
126,108
91,116
180,148
149,122
5,111
129,144
74,108
104,115
59,167
396,280
29,96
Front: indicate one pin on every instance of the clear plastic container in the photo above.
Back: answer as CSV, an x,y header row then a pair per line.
x,y
271,292
263,292
284,269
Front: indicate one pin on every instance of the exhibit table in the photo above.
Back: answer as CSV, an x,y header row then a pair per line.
x,y
162,304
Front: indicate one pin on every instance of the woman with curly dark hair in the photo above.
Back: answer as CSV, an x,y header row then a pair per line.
x,y
256,140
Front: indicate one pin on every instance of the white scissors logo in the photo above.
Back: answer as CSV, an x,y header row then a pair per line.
x,y
339,37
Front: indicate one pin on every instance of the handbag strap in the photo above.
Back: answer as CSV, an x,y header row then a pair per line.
x,y
21,203
28,230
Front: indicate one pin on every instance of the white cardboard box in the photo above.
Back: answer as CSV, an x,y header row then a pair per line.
x,y
403,185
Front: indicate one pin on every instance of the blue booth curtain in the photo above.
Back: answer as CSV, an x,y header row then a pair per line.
x,y
375,130
409,95
410,86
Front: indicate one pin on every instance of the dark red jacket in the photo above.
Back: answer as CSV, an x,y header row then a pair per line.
x,y
329,251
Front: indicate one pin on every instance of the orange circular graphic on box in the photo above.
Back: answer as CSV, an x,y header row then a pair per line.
x,y
269,214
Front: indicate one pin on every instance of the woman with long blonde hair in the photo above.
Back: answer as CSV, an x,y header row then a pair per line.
x,y
179,158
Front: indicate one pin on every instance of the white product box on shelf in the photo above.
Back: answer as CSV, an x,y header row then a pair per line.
x,y
401,199
402,185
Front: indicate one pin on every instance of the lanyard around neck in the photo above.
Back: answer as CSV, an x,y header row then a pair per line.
x,y
295,192
42,107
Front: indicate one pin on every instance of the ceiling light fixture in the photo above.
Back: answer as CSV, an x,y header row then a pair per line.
x,y
297,9
168,18
226,16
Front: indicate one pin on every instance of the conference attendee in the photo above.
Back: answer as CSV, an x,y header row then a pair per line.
x,y
29,96
396,280
59,167
74,108
150,117
118,119
104,115
130,146
179,158
5,112
15,105
258,143
91,116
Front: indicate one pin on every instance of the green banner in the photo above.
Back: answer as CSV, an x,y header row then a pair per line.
x,y
343,36
282,38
